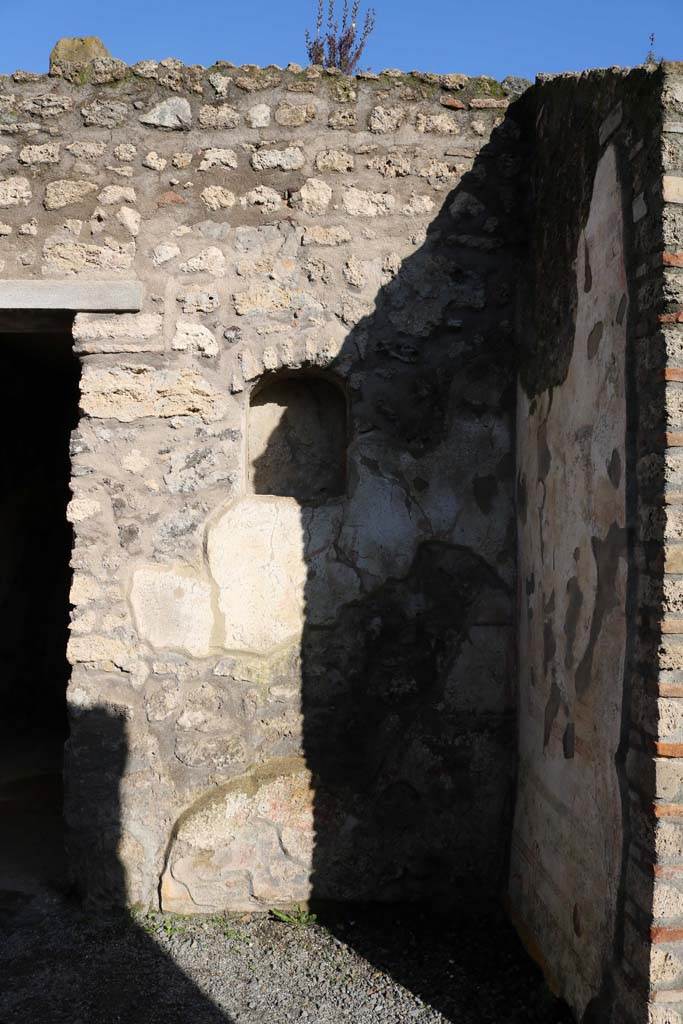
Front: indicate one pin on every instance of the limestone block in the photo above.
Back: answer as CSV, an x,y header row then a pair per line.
x,y
97,649
438,124
221,83
200,466
77,50
48,153
663,1015
172,609
667,901
210,261
105,114
262,297
418,205
267,199
87,150
113,194
317,235
199,299
259,116
14,191
215,197
290,159
257,79
135,461
64,257
102,333
380,533
334,160
161,703
130,220
340,120
192,337
358,203
5,151
223,116
163,253
173,114
80,509
385,119
453,81
314,197
291,115
255,554
84,589
669,842
354,273
154,161
672,188
218,158
125,151
127,392
47,105
248,846
182,160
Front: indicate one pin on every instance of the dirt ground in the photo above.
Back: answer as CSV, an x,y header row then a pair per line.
x,y
61,964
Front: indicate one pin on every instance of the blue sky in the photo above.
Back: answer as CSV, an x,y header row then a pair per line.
x,y
496,37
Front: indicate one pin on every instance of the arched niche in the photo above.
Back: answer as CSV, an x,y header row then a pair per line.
x,y
297,437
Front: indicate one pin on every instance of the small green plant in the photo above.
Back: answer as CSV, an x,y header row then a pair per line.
x,y
171,925
299,917
223,925
339,46
148,923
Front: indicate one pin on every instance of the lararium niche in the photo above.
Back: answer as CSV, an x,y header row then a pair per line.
x,y
297,438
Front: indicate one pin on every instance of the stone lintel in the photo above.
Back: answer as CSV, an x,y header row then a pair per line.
x,y
76,296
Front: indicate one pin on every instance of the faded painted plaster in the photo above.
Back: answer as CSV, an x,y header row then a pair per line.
x,y
567,837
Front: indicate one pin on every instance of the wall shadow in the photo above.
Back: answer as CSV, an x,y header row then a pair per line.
x,y
411,755
91,962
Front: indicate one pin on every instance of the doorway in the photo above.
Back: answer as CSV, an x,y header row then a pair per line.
x,y
38,411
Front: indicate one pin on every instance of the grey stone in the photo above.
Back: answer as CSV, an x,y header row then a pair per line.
x,y
85,296
513,86
173,114
104,113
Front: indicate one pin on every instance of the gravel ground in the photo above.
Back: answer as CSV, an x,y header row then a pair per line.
x,y
61,965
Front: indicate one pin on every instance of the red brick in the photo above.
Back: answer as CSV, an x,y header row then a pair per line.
x,y
668,749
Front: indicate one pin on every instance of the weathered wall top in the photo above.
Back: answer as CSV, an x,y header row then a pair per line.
x,y
86,60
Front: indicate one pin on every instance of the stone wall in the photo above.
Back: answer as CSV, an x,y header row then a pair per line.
x,y
599,329
650,981
315,668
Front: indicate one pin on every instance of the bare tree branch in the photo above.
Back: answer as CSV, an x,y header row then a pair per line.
x,y
339,46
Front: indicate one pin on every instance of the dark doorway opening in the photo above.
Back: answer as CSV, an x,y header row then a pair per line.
x,y
38,411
